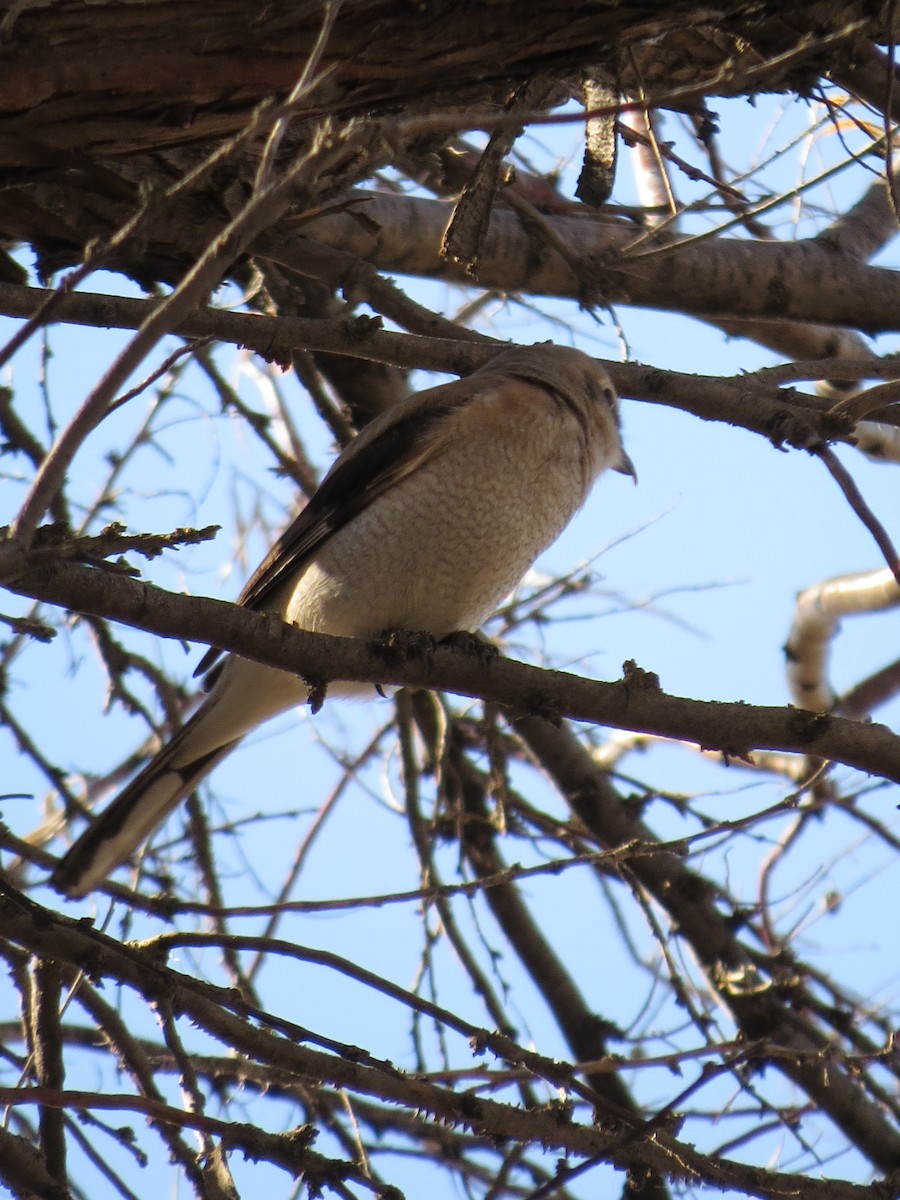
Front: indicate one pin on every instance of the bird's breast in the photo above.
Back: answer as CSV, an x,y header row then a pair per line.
x,y
440,550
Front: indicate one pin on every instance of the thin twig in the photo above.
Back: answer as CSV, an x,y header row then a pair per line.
x,y
855,499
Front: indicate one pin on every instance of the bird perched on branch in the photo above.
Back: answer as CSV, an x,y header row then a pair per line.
x,y
425,523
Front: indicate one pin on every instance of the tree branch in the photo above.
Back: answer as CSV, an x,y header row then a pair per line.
x,y
635,702
713,277
218,1011
757,405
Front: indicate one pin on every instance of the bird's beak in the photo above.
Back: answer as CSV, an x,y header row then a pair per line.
x,y
625,466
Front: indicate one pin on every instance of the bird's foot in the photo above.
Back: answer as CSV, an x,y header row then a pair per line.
x,y
472,643
404,645
318,690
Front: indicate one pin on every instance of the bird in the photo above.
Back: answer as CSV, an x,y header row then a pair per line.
x,y
424,523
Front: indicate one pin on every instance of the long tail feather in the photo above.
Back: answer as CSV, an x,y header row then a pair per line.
x,y
245,694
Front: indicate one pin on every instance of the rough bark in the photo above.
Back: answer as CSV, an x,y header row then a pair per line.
x,y
98,99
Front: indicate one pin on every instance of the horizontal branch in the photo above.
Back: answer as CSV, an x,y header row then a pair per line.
x,y
274,338
759,406
120,78
636,702
613,262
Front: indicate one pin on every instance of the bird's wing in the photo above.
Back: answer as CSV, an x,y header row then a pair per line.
x,y
389,449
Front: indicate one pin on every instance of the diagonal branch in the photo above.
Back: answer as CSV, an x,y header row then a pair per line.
x,y
218,1011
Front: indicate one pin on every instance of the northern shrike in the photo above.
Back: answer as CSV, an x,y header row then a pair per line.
x,y
425,522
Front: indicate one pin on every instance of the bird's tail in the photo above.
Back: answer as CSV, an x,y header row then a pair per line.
x,y
134,814
244,695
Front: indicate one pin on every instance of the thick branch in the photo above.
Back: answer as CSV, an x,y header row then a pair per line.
x,y
635,703
124,75
711,277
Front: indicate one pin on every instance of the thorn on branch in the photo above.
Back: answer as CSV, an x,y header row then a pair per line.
x,y
807,725
637,679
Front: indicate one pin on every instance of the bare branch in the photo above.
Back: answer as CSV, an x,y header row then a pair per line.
x,y
734,729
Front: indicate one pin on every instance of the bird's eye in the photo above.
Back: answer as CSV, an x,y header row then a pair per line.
x,y
605,393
